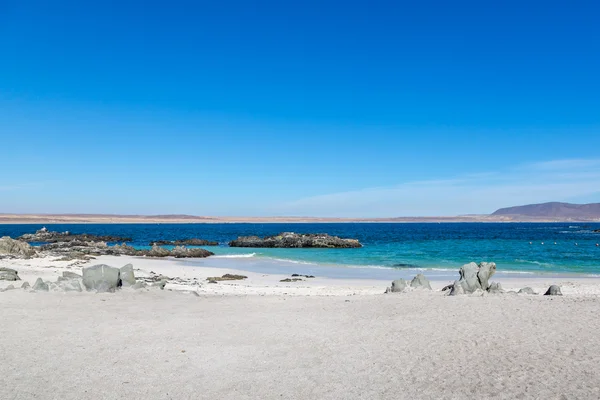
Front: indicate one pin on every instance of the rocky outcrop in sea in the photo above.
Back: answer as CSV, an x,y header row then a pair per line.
x,y
296,240
45,236
184,242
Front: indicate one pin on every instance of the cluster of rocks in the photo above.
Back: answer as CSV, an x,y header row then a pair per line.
x,y
474,279
184,242
13,248
226,277
295,240
418,282
177,252
45,236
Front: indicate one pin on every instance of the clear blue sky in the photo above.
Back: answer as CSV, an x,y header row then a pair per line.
x,y
304,108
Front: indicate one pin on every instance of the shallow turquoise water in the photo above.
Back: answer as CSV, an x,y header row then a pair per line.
x,y
566,248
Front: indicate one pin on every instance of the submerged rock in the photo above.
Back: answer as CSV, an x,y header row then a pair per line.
x,y
553,290
101,278
295,240
420,282
184,242
16,248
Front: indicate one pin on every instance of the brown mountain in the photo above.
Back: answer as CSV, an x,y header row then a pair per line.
x,y
553,210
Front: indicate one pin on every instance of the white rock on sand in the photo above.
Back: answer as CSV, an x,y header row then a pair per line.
x,y
330,345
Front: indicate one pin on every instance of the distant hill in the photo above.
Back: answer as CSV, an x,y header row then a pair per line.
x,y
553,210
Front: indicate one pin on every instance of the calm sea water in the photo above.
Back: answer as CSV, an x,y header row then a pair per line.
x,y
566,248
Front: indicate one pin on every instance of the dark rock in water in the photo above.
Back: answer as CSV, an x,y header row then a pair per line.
x,y
527,290
16,248
553,290
9,274
185,252
473,277
420,282
71,285
101,278
46,236
399,285
158,251
403,265
184,242
227,277
303,276
597,230
295,240
40,285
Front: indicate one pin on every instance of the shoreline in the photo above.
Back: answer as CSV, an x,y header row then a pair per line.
x,y
191,274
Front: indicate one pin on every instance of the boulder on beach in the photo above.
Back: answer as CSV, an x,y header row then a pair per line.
x,y
127,275
473,277
420,282
16,248
71,275
25,286
398,286
71,285
9,274
101,278
495,288
40,285
553,290
295,240
527,290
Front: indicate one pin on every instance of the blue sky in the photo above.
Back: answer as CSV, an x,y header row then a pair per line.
x,y
313,108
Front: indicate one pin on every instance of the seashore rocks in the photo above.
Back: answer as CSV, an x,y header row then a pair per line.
x,y
12,247
101,278
227,277
420,282
45,236
184,242
398,286
9,274
527,290
553,290
295,240
127,275
474,277
40,285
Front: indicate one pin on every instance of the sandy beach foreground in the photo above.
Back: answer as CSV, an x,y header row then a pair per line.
x,y
315,339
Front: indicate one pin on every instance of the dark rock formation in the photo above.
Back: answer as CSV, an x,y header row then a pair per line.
x,y
184,242
227,277
291,280
553,290
420,282
295,240
303,276
16,248
46,236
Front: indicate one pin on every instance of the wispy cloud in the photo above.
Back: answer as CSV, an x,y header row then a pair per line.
x,y
475,193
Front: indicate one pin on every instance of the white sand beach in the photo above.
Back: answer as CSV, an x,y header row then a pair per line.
x,y
315,339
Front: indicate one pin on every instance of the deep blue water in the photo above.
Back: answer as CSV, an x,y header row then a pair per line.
x,y
567,248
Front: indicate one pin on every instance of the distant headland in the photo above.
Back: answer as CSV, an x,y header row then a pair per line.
x,y
545,212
